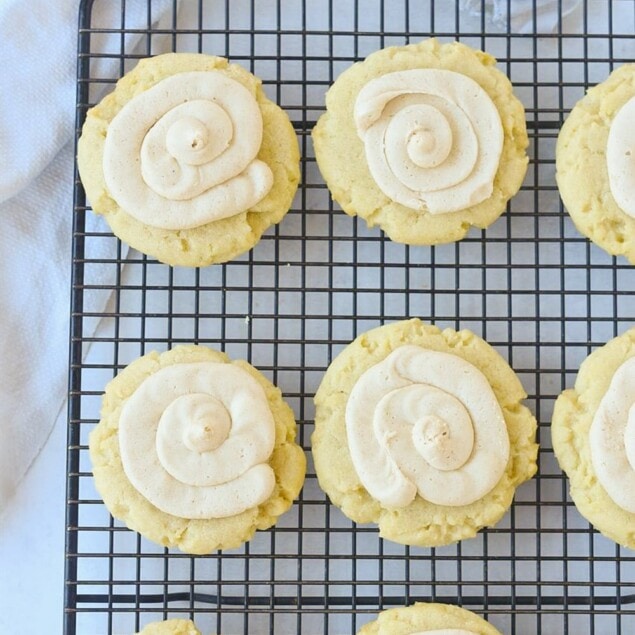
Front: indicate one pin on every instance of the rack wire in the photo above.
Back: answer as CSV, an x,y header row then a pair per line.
x,y
539,292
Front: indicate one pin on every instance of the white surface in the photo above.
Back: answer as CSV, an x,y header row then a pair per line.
x,y
35,198
32,545
31,532
35,262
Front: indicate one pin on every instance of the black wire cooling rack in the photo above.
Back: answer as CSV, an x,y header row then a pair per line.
x,y
531,285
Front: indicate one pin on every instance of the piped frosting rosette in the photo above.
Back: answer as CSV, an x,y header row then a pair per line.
x,y
428,423
195,440
183,153
433,138
195,451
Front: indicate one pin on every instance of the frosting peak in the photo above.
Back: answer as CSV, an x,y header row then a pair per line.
x,y
206,421
443,448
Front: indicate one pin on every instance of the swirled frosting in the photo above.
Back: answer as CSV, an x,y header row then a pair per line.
x,y
183,153
433,138
195,440
612,438
446,631
620,157
426,422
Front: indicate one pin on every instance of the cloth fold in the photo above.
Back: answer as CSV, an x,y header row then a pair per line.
x,y
37,119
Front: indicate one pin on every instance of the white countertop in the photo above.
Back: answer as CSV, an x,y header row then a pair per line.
x,y
32,543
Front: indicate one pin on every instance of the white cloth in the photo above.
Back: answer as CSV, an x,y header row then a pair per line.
x,y
37,117
521,13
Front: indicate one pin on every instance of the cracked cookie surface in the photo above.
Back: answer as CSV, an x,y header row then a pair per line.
x,y
581,168
197,536
220,240
421,522
342,162
572,418
170,627
422,617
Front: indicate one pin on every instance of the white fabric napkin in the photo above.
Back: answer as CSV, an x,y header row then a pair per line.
x,y
521,13
37,116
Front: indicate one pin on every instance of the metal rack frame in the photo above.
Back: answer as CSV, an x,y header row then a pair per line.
x,y
538,291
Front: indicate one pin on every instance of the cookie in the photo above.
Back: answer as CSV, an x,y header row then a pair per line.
x,y
170,627
593,434
424,140
195,451
423,432
187,159
595,164
422,618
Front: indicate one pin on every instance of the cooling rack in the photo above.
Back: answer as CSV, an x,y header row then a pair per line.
x,y
530,284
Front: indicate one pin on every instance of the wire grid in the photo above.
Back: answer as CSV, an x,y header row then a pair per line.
x,y
531,285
